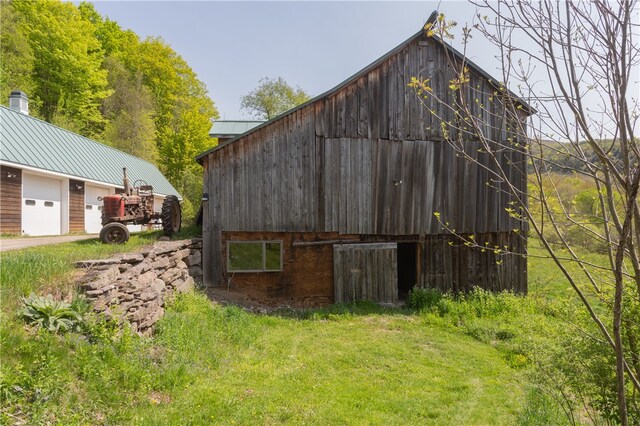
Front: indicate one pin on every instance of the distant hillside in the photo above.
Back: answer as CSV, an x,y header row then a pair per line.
x,y
564,157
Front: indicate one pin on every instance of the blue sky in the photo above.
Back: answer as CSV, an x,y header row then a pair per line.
x,y
315,45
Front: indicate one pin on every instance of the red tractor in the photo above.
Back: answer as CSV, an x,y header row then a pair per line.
x,y
135,207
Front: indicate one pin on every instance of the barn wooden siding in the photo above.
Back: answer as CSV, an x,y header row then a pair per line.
x,y
365,272
357,186
10,200
447,264
76,205
366,159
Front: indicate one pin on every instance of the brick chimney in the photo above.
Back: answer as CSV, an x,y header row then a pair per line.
x,y
18,101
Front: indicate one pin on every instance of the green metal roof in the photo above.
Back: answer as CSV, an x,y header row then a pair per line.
x,y
31,142
228,128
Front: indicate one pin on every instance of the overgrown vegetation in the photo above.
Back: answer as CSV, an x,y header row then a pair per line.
x,y
214,364
553,341
581,57
475,359
50,315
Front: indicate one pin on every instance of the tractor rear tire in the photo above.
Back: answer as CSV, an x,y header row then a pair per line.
x,y
114,233
171,215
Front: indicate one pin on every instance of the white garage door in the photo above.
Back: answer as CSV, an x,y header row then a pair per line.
x,y
41,205
93,208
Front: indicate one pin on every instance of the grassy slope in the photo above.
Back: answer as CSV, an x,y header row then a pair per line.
x,y
369,368
218,364
46,268
546,280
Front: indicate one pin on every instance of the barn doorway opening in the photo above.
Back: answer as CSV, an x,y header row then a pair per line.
x,y
407,277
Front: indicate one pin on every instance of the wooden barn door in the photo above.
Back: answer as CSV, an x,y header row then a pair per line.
x,y
365,272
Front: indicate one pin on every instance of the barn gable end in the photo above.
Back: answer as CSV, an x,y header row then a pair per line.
x,y
368,159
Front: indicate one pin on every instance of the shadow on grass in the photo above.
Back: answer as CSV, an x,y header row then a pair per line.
x,y
186,232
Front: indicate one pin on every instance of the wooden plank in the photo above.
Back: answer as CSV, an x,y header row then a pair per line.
x,y
404,189
332,167
406,96
11,199
388,207
438,195
310,169
367,211
383,108
363,108
329,224
319,121
207,217
365,272
266,184
341,104
352,106
418,190
343,192
471,190
379,177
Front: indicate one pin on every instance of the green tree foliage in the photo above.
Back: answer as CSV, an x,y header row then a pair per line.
x,y
129,111
182,117
16,56
115,41
564,157
85,73
272,97
68,79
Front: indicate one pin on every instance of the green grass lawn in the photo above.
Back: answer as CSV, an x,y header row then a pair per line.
x,y
546,279
359,364
47,268
373,368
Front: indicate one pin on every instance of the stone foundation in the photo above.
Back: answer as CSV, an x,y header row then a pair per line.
x,y
133,287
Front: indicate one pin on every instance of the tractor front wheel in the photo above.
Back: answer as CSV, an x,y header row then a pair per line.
x,y
171,215
114,233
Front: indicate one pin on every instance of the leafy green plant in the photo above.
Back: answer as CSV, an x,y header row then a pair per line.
x,y
48,314
423,298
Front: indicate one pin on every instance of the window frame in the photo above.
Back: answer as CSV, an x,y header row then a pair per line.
x,y
263,251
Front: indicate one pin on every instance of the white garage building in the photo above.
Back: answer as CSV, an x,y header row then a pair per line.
x,y
51,178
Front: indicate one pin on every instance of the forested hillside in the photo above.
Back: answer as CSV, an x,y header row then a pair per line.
x,y
563,157
85,73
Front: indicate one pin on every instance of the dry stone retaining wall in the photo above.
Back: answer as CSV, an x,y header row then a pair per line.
x,y
133,287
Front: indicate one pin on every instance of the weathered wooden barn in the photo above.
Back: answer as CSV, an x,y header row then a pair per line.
x,y
52,180
334,201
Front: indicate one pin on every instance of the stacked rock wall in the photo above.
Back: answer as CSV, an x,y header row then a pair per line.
x,y
133,287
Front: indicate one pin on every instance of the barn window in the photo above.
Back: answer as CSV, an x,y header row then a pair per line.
x,y
30,202
254,256
48,203
88,207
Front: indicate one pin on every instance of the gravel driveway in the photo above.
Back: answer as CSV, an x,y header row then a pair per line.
x,y
7,244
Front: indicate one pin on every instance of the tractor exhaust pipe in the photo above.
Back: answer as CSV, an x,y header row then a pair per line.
x,y
125,182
